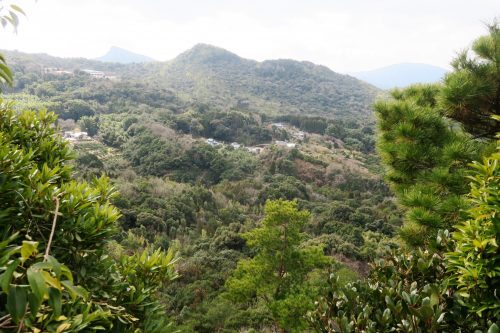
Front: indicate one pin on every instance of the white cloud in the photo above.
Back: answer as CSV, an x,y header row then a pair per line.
x,y
344,35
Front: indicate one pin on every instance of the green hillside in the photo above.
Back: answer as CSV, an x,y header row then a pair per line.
x,y
280,130
214,75
249,196
211,75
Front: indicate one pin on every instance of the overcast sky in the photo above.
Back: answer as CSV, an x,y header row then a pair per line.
x,y
345,35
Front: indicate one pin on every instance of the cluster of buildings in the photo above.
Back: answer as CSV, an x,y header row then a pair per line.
x,y
297,135
213,143
93,73
254,149
99,74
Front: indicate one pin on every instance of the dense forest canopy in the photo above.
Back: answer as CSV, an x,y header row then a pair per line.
x,y
193,177
213,193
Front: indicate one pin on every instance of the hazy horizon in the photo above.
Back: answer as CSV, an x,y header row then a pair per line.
x,y
345,36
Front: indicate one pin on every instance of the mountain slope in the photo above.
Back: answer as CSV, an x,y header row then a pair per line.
x,y
216,76
211,75
119,55
401,75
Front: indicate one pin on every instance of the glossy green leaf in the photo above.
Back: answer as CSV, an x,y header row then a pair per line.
x,y
6,277
16,302
55,301
34,303
494,328
74,291
37,283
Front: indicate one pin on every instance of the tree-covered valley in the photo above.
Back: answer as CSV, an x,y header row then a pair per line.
x,y
213,193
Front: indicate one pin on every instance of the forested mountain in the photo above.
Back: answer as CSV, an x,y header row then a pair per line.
x,y
213,193
211,75
214,75
122,56
195,163
401,75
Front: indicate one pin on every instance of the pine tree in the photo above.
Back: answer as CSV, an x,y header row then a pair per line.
x,y
426,159
452,285
471,93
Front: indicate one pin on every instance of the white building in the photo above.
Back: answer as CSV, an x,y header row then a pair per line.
x,y
95,74
50,69
76,136
212,142
235,145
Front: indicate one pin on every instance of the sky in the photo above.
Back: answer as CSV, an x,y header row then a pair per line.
x,y
345,35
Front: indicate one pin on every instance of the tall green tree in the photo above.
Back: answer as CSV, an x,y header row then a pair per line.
x,y
278,272
471,93
89,125
453,285
426,159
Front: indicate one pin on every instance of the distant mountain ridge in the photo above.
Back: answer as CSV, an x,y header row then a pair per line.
x,y
216,76
122,56
401,75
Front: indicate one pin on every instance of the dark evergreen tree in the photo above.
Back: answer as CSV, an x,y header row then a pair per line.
x,y
453,285
471,93
426,159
